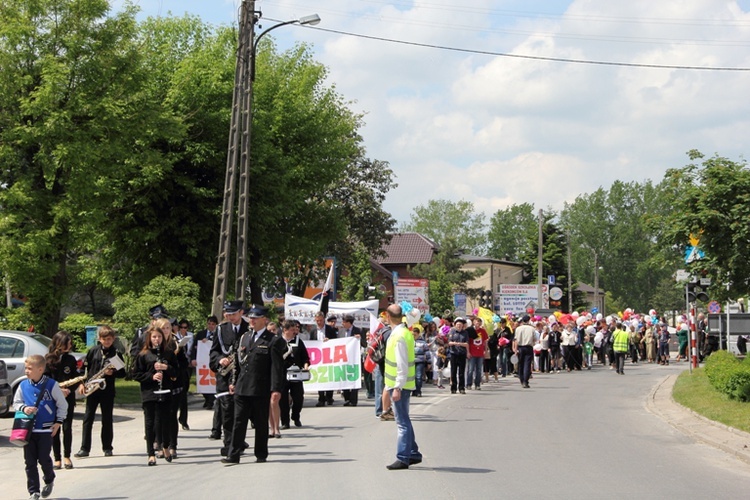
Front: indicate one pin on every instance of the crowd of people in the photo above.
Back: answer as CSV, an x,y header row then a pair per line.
x,y
251,357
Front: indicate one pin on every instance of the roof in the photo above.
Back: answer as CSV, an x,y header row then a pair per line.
x,y
477,259
588,288
408,248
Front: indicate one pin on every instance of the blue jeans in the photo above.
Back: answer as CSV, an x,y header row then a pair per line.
x,y
476,368
406,447
419,375
378,391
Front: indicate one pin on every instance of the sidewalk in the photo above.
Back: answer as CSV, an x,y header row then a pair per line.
x,y
697,427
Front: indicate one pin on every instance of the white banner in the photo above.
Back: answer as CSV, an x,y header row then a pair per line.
x,y
303,310
205,379
334,364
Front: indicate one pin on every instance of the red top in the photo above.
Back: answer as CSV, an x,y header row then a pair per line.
x,y
476,346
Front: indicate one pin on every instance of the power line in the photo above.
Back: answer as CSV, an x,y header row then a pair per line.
x,y
536,58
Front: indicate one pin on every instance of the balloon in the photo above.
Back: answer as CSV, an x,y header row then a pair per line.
x,y
599,316
438,322
574,314
406,307
412,317
428,317
552,319
580,321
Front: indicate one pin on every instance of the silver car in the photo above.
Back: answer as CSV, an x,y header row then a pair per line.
x,y
16,346
6,394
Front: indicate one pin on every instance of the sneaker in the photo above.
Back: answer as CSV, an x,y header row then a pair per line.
x,y
34,496
47,489
387,415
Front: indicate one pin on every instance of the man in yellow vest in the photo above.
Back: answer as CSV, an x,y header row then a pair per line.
x,y
620,341
400,380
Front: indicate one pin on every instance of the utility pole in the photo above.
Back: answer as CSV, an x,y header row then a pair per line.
x,y
237,166
570,274
540,263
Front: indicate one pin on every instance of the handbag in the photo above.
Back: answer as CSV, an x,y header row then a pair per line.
x,y
23,424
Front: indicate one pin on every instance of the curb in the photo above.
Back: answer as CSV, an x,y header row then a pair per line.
x,y
728,439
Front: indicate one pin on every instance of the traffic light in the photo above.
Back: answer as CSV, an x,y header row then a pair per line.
x,y
485,299
369,291
695,291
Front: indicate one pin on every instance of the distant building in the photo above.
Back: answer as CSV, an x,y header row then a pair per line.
x,y
592,299
498,272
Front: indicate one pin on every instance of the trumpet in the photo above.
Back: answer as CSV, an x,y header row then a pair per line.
x,y
72,381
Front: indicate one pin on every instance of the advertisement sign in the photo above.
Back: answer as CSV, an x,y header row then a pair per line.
x,y
205,379
517,298
414,291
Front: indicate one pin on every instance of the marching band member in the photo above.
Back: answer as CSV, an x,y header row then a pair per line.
x,y
61,366
296,355
259,371
222,356
154,368
96,359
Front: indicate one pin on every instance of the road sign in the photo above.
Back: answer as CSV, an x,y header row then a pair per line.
x,y
550,279
714,307
682,275
693,253
555,293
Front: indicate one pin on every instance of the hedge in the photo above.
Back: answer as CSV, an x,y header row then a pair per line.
x,y
728,375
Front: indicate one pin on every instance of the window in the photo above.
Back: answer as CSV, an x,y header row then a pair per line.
x,y
10,348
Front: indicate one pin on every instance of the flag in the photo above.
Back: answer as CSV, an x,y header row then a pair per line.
x,y
325,296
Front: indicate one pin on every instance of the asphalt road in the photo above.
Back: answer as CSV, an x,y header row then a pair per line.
x,y
574,435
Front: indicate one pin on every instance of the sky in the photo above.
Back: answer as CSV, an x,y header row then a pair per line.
x,y
475,124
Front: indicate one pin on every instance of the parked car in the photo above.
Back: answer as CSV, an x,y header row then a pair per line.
x,y
6,393
16,346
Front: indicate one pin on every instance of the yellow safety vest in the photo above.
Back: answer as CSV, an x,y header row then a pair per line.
x,y
397,335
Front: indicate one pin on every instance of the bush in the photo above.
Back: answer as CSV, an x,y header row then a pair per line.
x,y
738,383
75,324
728,376
17,318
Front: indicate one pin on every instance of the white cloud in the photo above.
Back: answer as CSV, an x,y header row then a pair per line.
x,y
500,130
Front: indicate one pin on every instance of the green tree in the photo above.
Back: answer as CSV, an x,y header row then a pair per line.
x,y
179,295
510,230
303,142
711,201
75,125
443,220
358,276
446,276
608,229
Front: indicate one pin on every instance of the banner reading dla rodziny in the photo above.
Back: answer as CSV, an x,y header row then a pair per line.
x,y
334,364
205,379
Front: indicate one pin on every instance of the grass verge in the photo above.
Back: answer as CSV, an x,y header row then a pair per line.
x,y
128,392
695,392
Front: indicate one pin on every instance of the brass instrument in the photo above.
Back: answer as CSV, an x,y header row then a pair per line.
x,y
72,381
97,381
226,370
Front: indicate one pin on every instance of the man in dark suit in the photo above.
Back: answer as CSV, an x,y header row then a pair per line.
x,y
351,396
260,378
222,349
203,336
323,332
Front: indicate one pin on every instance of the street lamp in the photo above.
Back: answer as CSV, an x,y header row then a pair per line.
x,y
311,20
238,157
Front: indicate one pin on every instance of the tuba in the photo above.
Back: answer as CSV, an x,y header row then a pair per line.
x,y
226,370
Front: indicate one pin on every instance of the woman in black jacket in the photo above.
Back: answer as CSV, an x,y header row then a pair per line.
x,y
62,366
155,369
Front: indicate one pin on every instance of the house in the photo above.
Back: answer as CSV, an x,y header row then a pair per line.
x,y
593,299
497,272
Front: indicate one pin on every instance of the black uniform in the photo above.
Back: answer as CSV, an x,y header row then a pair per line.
x,y
297,356
156,407
66,369
260,371
351,396
222,347
329,333
95,361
